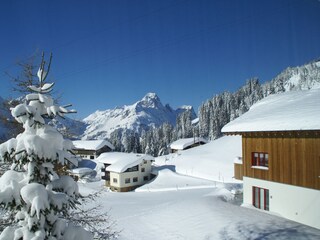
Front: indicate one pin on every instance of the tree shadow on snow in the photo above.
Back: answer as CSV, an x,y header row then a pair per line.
x,y
273,230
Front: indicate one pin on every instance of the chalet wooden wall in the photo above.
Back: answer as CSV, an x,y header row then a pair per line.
x,y
294,157
238,171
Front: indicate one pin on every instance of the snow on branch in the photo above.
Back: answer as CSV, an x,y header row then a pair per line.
x,y
31,190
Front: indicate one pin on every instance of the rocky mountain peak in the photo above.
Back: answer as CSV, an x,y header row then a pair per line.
x,y
150,100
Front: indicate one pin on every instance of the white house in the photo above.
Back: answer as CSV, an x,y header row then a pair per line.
x,y
186,143
280,164
125,171
91,149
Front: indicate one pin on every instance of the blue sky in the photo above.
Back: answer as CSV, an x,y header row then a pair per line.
x,y
109,53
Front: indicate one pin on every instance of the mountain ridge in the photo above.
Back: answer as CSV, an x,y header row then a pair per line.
x,y
144,114
149,112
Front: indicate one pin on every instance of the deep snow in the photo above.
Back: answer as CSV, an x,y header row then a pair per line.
x,y
191,214
175,206
212,161
203,206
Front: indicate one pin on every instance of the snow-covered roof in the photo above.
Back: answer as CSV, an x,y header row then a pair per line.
x,y
120,162
91,144
195,121
290,111
183,143
108,157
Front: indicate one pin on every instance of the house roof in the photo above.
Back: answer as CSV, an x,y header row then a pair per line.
x,y
120,162
290,111
91,144
183,143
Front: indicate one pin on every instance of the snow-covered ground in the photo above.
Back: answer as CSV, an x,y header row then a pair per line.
x,y
212,161
201,206
200,213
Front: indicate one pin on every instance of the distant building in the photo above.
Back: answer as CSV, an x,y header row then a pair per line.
x,y
91,149
186,143
125,171
280,164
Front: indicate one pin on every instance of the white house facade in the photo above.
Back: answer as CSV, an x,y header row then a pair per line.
x,y
296,203
126,171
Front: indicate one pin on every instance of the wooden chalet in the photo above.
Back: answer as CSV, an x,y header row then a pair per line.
x,y
280,165
186,143
91,149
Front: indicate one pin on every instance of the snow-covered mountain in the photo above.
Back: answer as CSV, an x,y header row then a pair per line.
x,y
69,128
213,113
296,78
222,108
147,112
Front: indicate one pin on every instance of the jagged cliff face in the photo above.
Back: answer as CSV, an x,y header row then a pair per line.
x,y
142,115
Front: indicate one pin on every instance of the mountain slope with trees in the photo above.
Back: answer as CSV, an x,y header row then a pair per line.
x,y
149,127
224,107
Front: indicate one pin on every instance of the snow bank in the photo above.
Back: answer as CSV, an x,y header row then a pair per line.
x,y
168,181
212,161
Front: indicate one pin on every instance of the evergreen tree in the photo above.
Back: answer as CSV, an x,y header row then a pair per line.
x,y
32,190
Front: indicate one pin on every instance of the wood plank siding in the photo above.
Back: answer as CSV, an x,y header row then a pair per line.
x,y
294,157
238,171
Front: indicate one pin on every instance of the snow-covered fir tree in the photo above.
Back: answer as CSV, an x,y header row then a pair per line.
x,y
224,107
31,190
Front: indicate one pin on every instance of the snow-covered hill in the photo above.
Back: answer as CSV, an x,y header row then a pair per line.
x,y
69,128
212,161
146,113
225,107
297,78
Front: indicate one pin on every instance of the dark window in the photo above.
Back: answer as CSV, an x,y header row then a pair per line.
x,y
127,180
260,198
143,169
135,179
115,180
91,157
145,178
133,169
260,159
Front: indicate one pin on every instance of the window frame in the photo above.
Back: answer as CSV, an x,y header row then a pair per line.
x,y
256,198
127,180
260,159
133,169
